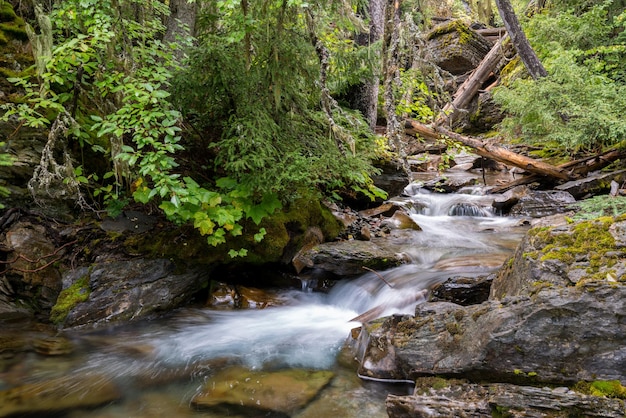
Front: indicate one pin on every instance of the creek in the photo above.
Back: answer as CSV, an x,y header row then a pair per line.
x,y
159,365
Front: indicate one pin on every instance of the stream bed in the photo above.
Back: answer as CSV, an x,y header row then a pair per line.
x,y
159,367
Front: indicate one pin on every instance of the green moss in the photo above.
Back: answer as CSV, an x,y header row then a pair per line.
x,y
606,388
7,14
3,39
589,241
14,30
69,298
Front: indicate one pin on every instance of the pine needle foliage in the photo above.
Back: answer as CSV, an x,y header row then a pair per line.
x,y
579,106
255,78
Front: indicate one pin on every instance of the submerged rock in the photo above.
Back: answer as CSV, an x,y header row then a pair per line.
x,y
54,395
283,391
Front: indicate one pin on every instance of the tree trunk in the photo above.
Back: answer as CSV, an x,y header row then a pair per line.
x,y
181,24
492,151
391,72
578,168
364,96
472,84
522,46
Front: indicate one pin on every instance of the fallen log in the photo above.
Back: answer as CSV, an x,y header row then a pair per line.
x,y
578,168
464,95
495,152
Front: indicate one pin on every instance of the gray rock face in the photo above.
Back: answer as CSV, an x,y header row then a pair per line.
x,y
537,204
595,183
347,258
131,289
471,400
557,336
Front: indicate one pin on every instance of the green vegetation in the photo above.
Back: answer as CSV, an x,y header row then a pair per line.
x,y
590,244
598,206
606,388
578,107
233,135
68,298
224,128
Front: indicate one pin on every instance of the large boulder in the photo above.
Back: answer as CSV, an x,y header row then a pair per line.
x,y
456,48
125,290
556,336
353,257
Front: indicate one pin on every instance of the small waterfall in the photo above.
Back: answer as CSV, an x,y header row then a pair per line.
x,y
469,209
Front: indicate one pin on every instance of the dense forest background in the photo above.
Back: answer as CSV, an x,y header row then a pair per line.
x,y
221,112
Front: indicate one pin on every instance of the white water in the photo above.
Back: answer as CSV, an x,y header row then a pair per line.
x,y
310,330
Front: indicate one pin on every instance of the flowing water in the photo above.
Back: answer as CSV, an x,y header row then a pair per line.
x,y
161,364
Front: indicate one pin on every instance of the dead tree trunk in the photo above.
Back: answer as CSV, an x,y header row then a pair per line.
x,y
492,151
578,168
472,84
522,46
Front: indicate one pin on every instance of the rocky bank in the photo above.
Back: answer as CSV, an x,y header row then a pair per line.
x,y
554,326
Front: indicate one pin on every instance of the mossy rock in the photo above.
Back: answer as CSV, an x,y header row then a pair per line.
x,y
68,298
285,231
605,388
7,14
14,30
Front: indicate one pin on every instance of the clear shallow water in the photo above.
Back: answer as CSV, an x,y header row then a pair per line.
x,y
162,364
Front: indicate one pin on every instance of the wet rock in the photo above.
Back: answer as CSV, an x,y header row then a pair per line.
x,y
504,202
401,220
449,184
64,393
560,336
53,346
463,290
224,295
282,391
594,184
312,237
472,400
347,258
131,289
537,204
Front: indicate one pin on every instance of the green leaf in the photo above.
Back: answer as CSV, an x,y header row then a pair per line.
x,y
258,237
